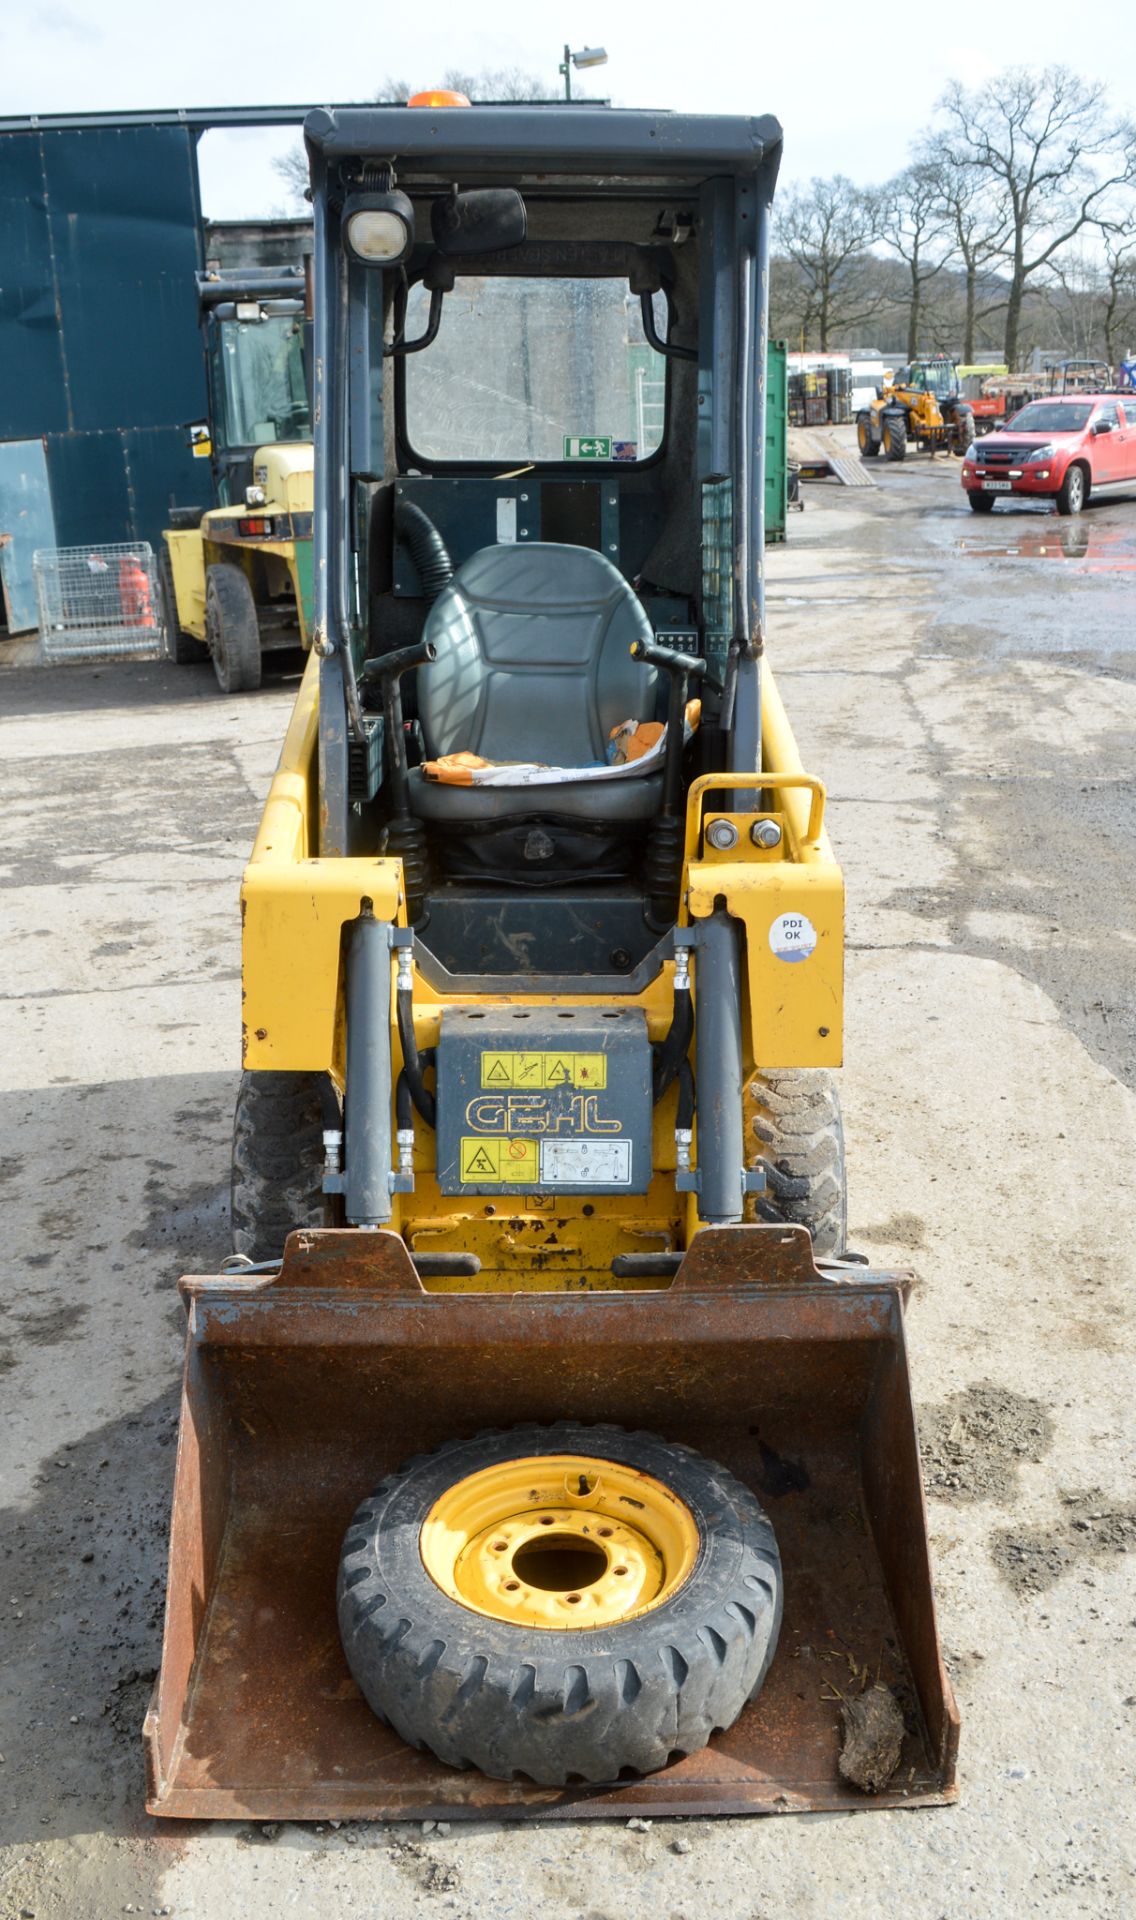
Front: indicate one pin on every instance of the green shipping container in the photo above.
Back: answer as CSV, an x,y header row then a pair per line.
x,y
776,442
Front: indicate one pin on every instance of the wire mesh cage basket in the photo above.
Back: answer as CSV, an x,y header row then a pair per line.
x,y
98,603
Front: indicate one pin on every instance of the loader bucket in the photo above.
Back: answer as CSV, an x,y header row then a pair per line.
x,y
302,1389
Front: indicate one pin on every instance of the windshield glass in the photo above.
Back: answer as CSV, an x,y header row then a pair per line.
x,y
540,370
1051,416
261,378
938,378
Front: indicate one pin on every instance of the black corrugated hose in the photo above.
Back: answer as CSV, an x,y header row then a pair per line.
x,y
427,547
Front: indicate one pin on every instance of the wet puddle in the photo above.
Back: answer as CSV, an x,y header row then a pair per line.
x,y
1093,547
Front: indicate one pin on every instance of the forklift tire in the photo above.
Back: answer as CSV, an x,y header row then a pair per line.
x,y
231,624
868,445
277,1161
981,502
796,1119
555,1702
1073,491
895,436
181,647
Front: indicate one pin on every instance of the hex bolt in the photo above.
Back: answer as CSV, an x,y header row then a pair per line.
x,y
722,835
765,833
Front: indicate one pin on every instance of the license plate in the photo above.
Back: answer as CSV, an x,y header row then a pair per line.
x,y
997,486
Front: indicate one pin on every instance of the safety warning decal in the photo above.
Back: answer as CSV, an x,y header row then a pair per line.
x,y
792,936
544,1070
498,1159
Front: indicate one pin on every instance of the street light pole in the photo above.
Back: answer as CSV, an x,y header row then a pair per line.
x,y
584,57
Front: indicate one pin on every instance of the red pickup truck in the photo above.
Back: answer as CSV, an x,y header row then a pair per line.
x,y
1064,448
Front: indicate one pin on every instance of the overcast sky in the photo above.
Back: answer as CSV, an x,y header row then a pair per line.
x,y
850,85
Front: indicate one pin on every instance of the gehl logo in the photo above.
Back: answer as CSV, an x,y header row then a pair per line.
x,y
533,1113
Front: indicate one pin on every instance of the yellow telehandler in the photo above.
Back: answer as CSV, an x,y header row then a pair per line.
x,y
920,405
542,1449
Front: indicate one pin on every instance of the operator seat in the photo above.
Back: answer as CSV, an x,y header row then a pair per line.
x,y
534,664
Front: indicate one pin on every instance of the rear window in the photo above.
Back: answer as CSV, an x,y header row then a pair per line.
x,y
535,370
1051,416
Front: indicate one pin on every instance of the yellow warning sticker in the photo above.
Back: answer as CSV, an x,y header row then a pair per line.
x,y
544,1070
500,1158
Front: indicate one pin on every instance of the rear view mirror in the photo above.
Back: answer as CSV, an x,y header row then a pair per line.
x,y
1102,426
479,220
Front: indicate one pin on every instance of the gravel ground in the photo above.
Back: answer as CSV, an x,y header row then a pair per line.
x,y
968,691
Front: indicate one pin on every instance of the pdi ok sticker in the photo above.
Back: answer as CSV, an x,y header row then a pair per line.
x,y
793,936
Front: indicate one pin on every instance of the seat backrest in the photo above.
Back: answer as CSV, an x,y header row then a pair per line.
x,y
533,657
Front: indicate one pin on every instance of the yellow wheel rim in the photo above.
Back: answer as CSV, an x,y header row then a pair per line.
x,y
559,1541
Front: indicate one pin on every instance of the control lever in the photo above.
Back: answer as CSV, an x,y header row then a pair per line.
x,y
664,852
682,668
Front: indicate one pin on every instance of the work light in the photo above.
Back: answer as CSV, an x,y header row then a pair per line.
x,y
379,227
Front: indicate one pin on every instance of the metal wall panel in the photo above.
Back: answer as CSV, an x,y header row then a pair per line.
x,y
99,339
122,206
89,488
33,389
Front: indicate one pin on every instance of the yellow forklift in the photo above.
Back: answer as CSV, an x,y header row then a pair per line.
x,y
236,579
543,1451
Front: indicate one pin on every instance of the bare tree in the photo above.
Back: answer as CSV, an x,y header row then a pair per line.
x,y
826,229
914,223
292,168
1118,292
499,83
491,83
980,223
1049,145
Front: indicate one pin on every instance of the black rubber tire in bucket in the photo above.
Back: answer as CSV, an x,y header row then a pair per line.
x,y
560,1706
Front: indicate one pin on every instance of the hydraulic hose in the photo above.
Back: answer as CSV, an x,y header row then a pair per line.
x,y
403,1100
331,1106
670,1052
684,1112
413,1063
428,550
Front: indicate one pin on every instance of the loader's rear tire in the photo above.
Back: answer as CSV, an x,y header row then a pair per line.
x,y
233,629
475,1681
181,647
895,436
277,1161
796,1122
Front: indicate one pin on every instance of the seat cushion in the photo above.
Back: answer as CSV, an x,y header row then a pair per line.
x,y
533,658
612,802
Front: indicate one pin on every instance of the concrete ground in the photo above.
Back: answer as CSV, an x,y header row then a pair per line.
x,y
967,688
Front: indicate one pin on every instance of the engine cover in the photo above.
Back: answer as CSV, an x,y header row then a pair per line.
x,y
544,1101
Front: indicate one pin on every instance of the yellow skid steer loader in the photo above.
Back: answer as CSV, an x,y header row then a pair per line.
x,y
541,1449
